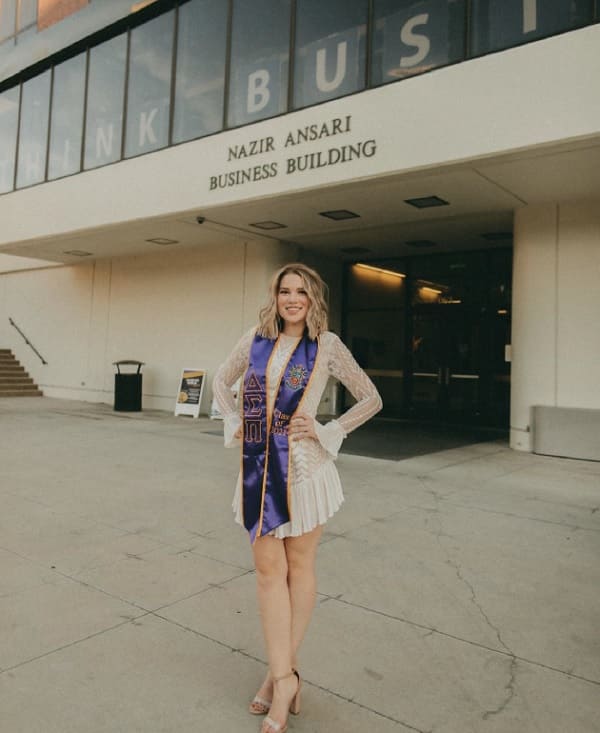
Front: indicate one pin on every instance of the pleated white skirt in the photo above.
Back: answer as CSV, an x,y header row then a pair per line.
x,y
314,500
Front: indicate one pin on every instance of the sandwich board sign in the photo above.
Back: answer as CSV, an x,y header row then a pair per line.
x,y
189,394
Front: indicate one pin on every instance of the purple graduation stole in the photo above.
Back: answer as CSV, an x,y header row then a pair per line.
x,y
265,450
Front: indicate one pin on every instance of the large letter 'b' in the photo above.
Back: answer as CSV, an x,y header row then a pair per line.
x,y
258,90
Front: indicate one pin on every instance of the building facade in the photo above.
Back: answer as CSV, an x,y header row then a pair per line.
x,y
437,160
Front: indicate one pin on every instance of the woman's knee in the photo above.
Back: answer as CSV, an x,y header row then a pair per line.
x,y
301,566
301,554
271,565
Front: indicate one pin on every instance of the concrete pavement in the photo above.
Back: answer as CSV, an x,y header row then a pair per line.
x,y
459,591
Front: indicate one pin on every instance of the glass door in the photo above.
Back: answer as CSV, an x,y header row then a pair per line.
x,y
446,364
433,332
427,363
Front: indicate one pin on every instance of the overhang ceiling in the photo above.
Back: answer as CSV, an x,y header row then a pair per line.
x,y
482,197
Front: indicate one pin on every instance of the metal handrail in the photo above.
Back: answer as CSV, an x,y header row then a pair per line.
x,y
27,341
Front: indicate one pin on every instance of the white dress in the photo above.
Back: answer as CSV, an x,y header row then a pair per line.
x,y
315,488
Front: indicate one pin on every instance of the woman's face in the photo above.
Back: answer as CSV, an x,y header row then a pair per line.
x,y
292,300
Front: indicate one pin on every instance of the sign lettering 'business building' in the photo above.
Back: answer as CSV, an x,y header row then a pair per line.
x,y
293,164
116,99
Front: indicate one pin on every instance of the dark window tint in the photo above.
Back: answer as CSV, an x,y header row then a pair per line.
x,y
412,37
330,51
259,60
33,132
105,102
200,80
149,95
66,125
449,279
9,116
499,24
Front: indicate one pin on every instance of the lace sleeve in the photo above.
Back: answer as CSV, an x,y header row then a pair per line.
x,y
228,373
343,366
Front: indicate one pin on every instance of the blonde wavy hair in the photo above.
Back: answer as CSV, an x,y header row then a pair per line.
x,y
270,322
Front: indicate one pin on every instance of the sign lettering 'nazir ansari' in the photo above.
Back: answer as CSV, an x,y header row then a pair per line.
x,y
345,153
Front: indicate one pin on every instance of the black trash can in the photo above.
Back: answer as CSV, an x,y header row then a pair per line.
x,y
128,386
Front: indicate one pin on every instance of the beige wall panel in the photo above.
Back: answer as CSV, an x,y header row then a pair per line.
x,y
579,305
556,309
53,308
171,310
174,310
534,318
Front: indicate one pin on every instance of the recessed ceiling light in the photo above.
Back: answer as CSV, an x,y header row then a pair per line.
x,y
380,270
77,253
162,241
497,236
339,214
268,225
420,243
355,250
426,202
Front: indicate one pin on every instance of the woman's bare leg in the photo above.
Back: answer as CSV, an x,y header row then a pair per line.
x,y
271,566
276,615
286,583
301,555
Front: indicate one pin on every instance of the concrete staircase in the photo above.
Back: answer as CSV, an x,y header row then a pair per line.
x,y
14,380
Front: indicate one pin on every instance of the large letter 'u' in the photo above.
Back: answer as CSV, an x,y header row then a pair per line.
x,y
342,53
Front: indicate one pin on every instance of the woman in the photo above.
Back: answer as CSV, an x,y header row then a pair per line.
x,y
289,486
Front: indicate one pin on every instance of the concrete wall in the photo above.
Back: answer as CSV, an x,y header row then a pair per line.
x,y
556,313
176,309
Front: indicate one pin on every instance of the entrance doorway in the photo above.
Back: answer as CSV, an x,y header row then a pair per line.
x,y
432,332
446,363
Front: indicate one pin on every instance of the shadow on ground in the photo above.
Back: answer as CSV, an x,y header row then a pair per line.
x,y
396,440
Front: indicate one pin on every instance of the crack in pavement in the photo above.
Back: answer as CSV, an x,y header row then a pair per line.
x,y
510,686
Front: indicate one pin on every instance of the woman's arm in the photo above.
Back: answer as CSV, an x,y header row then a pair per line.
x,y
227,374
344,367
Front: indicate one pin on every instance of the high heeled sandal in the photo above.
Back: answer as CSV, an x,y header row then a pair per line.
x,y
259,706
272,726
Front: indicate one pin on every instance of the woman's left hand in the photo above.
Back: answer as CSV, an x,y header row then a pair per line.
x,y
302,426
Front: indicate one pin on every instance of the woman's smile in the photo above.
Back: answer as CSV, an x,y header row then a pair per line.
x,y
292,302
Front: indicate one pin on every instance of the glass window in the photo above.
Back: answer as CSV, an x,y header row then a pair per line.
x,y
374,326
66,125
259,60
200,83
9,119
449,279
330,49
8,10
33,133
149,86
376,285
499,24
412,37
106,83
27,13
